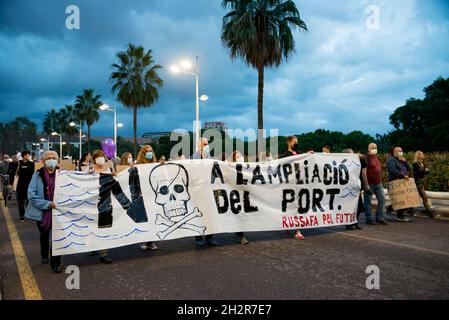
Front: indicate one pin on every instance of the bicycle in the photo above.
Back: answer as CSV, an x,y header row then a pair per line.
x,y
5,187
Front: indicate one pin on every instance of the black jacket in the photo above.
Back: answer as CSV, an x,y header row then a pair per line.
x,y
25,171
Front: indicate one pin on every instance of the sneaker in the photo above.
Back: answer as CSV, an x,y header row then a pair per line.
x,y
105,260
22,220
57,269
358,227
349,228
144,246
299,236
212,243
45,261
244,241
153,246
382,222
403,220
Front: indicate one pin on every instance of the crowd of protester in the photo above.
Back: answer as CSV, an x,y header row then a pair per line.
x,y
35,189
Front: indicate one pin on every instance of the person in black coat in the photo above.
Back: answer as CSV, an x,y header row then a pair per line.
x,y
420,171
25,172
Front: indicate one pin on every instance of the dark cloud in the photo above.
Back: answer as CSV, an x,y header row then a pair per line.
x,y
342,77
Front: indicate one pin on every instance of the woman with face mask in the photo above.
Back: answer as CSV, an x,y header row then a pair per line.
x,y
238,157
147,155
40,195
100,166
127,159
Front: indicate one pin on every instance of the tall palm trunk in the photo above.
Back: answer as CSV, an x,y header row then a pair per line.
x,y
260,138
135,132
88,137
69,145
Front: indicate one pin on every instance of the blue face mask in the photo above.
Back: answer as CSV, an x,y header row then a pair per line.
x,y
149,155
51,164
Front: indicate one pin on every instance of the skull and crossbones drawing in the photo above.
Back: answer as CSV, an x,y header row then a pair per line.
x,y
170,183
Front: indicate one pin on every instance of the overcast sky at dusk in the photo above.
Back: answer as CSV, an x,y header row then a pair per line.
x,y
342,77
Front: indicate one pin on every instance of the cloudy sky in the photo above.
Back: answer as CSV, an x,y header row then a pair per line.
x,y
344,75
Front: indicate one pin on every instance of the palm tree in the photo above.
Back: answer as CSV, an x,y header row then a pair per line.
x,y
260,32
136,81
67,115
88,105
51,122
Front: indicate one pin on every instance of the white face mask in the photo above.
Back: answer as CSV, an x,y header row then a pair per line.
x,y
206,150
240,159
100,161
400,154
270,159
373,152
130,161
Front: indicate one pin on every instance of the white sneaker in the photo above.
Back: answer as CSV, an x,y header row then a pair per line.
x,y
153,247
144,246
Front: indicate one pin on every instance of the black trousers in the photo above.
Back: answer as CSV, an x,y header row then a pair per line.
x,y
208,237
22,201
46,247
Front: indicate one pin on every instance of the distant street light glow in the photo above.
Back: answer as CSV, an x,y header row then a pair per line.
x,y
175,69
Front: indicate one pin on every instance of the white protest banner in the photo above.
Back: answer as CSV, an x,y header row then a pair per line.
x,y
198,197
403,194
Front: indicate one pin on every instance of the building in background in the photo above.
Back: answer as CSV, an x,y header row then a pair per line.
x,y
219,125
155,136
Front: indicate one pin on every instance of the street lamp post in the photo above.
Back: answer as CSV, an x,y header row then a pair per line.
x,y
60,143
187,68
74,124
106,107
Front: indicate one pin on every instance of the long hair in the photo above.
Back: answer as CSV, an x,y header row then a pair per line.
x,y
417,154
124,159
141,159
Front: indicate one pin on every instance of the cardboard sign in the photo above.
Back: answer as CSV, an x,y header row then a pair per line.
x,y
403,194
67,165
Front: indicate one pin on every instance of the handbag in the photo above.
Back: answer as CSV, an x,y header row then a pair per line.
x,y
16,180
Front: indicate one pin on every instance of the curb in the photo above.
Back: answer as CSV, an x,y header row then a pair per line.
x,y
1,288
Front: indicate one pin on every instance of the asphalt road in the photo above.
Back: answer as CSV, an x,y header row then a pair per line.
x,y
413,260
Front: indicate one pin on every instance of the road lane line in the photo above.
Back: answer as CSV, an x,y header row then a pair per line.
x,y
390,243
29,285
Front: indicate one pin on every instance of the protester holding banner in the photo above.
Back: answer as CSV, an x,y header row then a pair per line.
x,y
398,169
360,205
420,171
24,173
86,162
203,152
238,157
40,195
145,156
126,159
292,150
100,166
372,178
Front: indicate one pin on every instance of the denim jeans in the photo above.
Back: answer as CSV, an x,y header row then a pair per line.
x,y
378,191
